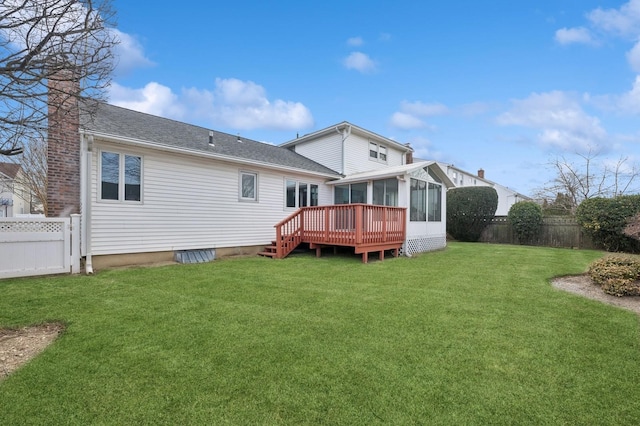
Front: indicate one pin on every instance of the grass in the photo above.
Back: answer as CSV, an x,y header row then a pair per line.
x,y
470,335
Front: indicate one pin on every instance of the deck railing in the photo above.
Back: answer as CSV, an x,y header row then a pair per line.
x,y
342,225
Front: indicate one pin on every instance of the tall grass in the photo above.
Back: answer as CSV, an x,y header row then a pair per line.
x,y
470,335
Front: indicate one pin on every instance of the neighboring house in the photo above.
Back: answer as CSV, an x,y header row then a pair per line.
x,y
148,187
14,198
506,196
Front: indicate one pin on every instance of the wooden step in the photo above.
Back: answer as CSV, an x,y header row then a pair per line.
x,y
267,253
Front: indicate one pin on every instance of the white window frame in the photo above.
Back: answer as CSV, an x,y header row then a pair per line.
x,y
121,177
377,152
241,197
308,184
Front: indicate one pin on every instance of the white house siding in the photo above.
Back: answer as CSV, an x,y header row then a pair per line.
x,y
506,197
357,155
189,202
326,151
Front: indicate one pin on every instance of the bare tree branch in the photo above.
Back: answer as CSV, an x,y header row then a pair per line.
x,y
585,177
41,39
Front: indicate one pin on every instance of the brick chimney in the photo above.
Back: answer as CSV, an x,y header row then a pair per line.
x,y
63,146
481,173
409,157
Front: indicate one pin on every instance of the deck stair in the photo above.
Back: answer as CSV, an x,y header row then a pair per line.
x,y
270,251
366,228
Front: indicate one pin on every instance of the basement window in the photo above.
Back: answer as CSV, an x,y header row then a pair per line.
x,y
120,177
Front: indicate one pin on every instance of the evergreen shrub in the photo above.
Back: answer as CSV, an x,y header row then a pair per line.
x,y
525,218
469,211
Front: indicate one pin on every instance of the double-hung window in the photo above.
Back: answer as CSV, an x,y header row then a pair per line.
x,y
377,152
248,186
120,177
300,194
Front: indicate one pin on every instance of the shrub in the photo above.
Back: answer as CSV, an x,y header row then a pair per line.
x,y
525,218
605,219
469,211
617,275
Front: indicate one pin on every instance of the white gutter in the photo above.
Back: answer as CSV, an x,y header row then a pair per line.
x,y
203,154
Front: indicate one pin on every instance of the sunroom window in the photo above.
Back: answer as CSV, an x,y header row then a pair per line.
x,y
385,192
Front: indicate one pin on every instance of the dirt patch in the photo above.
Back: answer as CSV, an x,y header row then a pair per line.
x,y
17,347
584,286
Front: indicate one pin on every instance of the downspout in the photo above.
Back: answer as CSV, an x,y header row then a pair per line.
x,y
345,134
87,198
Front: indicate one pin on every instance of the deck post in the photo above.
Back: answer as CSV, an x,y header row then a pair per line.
x,y
278,242
384,224
359,220
326,223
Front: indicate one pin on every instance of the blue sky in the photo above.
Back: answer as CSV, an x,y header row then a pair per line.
x,y
500,85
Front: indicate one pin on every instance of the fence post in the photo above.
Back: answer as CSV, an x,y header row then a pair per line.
x,y
75,244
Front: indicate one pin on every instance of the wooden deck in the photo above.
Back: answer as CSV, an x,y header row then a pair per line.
x,y
364,227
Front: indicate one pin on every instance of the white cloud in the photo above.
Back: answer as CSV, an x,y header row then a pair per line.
x,y
629,102
154,98
360,62
384,37
355,41
129,54
422,109
633,57
559,119
573,35
475,108
233,103
405,121
411,114
624,22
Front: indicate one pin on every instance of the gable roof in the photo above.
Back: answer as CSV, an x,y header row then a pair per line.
x,y
351,128
446,166
390,172
122,123
10,170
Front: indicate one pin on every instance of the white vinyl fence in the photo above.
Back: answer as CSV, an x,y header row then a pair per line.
x,y
39,246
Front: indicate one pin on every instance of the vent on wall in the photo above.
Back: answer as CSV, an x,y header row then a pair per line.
x,y
194,256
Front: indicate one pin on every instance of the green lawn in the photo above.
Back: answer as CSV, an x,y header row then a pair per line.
x,y
474,334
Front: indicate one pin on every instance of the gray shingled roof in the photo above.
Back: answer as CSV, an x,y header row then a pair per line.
x,y
9,169
122,122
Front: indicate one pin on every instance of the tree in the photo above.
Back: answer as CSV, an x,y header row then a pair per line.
x,y
42,39
586,177
34,171
469,211
526,220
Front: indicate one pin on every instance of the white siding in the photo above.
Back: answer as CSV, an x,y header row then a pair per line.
x,y
326,151
357,156
506,197
189,202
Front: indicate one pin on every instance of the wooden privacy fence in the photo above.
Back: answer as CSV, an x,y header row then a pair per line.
x,y
558,231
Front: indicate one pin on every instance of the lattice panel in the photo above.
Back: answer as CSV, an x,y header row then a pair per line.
x,y
28,226
424,243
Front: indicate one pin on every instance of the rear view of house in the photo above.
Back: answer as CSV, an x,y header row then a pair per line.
x,y
150,187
